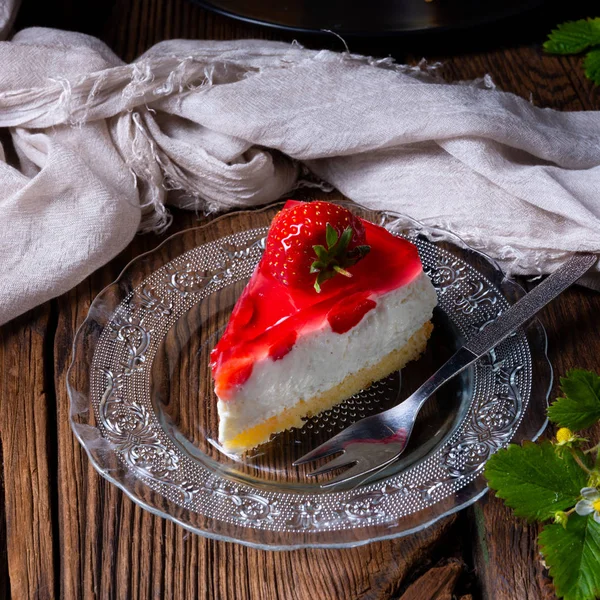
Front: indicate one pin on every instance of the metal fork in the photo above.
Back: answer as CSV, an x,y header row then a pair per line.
x,y
373,443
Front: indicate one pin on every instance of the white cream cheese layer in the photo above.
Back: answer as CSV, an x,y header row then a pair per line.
x,y
322,359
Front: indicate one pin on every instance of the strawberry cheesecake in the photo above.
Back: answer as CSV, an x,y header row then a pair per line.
x,y
335,304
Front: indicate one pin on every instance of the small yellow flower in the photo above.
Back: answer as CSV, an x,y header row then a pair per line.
x,y
564,435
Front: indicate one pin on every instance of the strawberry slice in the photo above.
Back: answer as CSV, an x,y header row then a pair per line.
x,y
233,373
349,312
283,346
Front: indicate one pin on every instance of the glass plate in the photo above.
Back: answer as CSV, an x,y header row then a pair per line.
x,y
142,403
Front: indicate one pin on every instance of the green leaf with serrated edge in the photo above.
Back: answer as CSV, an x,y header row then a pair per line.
x,y
573,557
534,480
331,236
573,37
579,407
591,64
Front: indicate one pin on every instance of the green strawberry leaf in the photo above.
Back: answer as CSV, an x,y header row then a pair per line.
x,y
321,253
317,266
356,254
344,241
534,480
591,64
573,557
322,277
573,37
341,271
331,236
580,406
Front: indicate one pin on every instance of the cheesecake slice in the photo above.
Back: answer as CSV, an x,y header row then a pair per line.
x,y
317,322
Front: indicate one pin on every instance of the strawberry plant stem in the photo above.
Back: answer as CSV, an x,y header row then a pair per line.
x,y
580,462
595,448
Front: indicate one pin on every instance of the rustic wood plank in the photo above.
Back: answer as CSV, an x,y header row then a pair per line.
x,y
505,554
26,419
4,574
436,584
111,548
587,93
92,523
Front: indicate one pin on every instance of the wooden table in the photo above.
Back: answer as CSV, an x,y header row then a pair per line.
x,y
65,532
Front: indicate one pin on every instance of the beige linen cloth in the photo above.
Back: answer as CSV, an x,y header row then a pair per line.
x,y
224,125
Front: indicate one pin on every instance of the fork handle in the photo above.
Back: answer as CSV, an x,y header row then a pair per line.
x,y
503,326
531,303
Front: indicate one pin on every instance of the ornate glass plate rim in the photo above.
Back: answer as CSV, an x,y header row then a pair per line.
x,y
133,453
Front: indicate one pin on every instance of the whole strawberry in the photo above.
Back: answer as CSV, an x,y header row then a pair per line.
x,y
311,242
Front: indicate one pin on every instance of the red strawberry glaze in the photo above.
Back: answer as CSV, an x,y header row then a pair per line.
x,y
269,316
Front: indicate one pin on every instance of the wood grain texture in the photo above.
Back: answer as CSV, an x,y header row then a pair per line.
x,y
4,576
26,436
65,532
437,584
